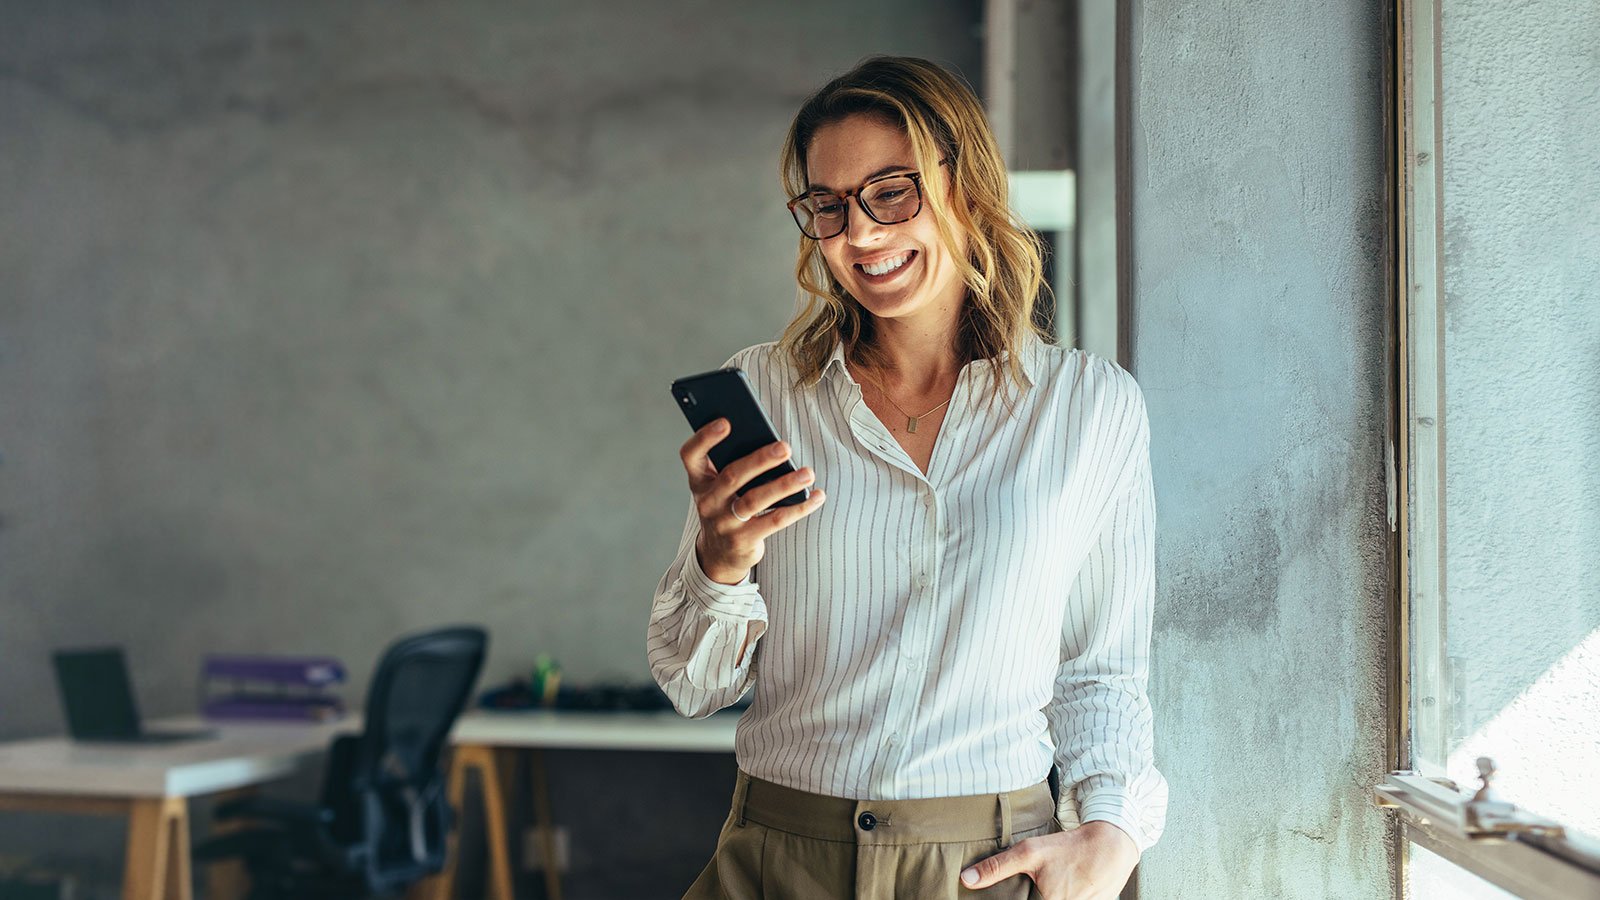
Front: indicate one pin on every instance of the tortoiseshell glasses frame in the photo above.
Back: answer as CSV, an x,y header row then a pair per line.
x,y
806,208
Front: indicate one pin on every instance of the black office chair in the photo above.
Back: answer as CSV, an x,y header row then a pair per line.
x,y
383,819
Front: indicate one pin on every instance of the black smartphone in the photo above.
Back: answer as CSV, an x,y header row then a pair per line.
x,y
726,393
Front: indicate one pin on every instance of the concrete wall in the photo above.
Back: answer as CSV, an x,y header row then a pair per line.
x,y
320,323
1521,220
1258,212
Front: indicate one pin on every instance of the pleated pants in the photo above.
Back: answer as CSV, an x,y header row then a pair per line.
x,y
779,843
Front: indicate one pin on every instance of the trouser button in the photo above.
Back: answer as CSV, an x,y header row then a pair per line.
x,y
867,821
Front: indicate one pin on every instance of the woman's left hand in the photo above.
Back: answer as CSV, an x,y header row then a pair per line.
x,y
1090,862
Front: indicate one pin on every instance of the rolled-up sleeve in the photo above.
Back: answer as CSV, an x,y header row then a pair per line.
x,y
1100,716
696,629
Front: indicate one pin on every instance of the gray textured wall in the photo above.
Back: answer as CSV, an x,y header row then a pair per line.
x,y
1521,219
324,322
1258,211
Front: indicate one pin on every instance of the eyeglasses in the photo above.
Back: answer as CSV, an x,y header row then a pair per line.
x,y
887,200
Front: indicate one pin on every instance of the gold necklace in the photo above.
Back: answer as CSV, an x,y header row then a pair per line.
x,y
911,421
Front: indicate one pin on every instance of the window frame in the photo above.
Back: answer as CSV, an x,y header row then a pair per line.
x,y
1519,852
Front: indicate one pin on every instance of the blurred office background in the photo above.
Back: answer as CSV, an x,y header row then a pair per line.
x,y
320,323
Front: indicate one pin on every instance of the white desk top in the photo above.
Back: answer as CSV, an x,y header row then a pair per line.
x,y
243,754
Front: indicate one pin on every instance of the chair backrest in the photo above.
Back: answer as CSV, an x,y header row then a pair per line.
x,y
402,819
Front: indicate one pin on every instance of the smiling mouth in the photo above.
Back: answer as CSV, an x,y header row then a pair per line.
x,y
878,273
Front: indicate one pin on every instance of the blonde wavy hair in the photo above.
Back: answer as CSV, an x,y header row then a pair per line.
x,y
1003,266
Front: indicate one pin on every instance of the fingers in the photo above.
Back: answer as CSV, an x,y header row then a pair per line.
x,y
742,470
694,452
985,872
715,491
718,492
763,496
781,517
697,462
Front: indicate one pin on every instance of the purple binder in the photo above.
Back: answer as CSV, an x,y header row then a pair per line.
x,y
303,671
283,688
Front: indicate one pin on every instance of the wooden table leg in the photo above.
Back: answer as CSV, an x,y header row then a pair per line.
x,y
145,858
494,809
226,879
157,854
482,759
543,821
180,879
443,885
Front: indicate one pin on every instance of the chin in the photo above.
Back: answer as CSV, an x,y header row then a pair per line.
x,y
891,305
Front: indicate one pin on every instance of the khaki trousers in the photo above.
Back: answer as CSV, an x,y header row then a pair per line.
x,y
782,844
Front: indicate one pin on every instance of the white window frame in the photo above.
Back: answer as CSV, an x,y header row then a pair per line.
x,y
1522,853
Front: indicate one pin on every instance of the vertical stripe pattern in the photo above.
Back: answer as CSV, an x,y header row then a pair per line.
x,y
949,633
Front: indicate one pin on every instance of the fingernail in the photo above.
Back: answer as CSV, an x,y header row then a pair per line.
x,y
777,450
970,876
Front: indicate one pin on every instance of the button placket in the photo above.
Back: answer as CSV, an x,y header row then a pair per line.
x,y
871,432
914,553
898,712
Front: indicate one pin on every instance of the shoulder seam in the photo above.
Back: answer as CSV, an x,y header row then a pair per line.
x,y
750,351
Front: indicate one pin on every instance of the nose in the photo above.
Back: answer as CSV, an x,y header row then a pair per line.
x,y
859,228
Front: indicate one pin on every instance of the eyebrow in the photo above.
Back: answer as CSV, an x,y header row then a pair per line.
x,y
883,171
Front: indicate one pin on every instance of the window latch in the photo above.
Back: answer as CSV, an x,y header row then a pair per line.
x,y
1481,816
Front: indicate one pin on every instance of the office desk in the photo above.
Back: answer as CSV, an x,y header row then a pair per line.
x,y
150,785
479,735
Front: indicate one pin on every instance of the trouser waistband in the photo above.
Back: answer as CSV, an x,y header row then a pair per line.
x,y
973,817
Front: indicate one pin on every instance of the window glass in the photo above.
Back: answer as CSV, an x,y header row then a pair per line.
x,y
1512,657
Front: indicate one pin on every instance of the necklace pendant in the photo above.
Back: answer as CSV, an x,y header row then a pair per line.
x,y
911,424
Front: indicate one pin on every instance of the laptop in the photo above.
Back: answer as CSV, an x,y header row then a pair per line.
x,y
98,699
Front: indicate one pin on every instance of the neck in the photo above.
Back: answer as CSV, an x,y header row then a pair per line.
x,y
921,355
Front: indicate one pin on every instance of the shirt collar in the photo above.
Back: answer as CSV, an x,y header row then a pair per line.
x,y
1028,356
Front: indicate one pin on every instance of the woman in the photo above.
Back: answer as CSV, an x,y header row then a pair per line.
x,y
973,606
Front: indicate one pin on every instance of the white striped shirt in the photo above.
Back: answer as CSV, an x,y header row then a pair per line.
x,y
948,634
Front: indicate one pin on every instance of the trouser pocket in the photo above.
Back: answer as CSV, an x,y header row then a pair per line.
x,y
735,870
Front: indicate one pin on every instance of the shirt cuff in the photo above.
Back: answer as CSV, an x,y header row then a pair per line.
x,y
727,599
1102,800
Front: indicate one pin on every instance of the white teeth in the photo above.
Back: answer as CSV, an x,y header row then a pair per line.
x,y
887,266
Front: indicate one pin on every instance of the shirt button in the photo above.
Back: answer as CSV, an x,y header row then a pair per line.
x,y
868,821
894,738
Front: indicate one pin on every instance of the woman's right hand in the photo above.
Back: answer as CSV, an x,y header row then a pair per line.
x,y
728,547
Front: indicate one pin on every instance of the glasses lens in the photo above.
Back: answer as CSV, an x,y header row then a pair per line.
x,y
892,199
819,216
